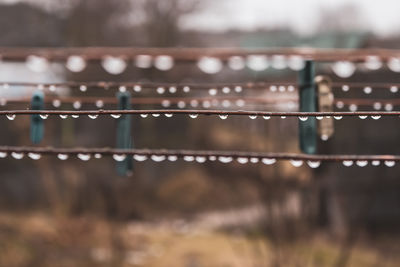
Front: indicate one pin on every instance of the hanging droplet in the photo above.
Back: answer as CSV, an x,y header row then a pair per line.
x,y
394,89
11,117
84,157
348,163
296,163
225,159
361,163
143,61
201,159
116,116
172,89
268,161
394,64
266,117
206,104
367,90
194,103
165,103
122,89
273,88
168,115
137,88
212,158
340,104
43,116
240,103
98,156
210,65
144,115
388,107
363,117
303,118
376,117
17,155
296,62
344,69
52,88
254,160
373,63
283,117
155,115
186,89
226,103
376,163
3,154
242,160
279,62
63,116
212,91
75,116
238,89
188,158
338,118
3,101
163,62
353,107
319,117
193,116
99,104
314,163
345,88
62,156
257,62
281,88
160,90
181,104
113,65
37,63
324,137
226,90
34,156
236,63
290,88
223,116
377,106
77,105
56,103
76,63
138,157
253,117
390,163
93,116
158,158
172,158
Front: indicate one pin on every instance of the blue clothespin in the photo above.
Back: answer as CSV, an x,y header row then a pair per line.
x,y
308,103
37,127
124,138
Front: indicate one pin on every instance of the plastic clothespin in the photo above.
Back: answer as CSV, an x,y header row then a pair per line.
x,y
308,103
37,127
124,139
325,104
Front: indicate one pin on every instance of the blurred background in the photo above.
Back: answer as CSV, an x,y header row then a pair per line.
x,y
76,213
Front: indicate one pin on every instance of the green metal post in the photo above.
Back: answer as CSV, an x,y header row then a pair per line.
x,y
37,127
124,139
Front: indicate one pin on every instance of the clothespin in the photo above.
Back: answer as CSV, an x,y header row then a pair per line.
x,y
37,127
124,139
325,104
308,103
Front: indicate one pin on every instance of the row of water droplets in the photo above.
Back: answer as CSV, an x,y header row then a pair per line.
x,y
201,159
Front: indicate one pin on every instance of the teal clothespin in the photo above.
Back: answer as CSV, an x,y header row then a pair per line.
x,y
124,139
308,103
37,127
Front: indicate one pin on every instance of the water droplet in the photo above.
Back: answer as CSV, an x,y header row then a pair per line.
x,y
3,154
303,118
186,89
212,158
324,137
361,163
77,105
394,64
242,160
34,156
363,117
394,89
226,90
143,61
193,116
37,63
62,156
236,63
390,163
210,65
319,117
283,117
206,104
76,63
344,69
268,161
338,117
98,156
367,90
348,163
144,115
266,117
75,116
163,62
188,158
93,116
158,158
353,107
160,90
84,157
376,117
139,157
388,107
43,116
181,104
99,104
137,88
168,115
155,115
281,88
63,116
314,163
273,88
377,106
257,62
240,103
194,103
212,91
122,88
172,158
225,159
165,103
253,117
223,116
11,117
172,89
254,160
201,159
238,89
56,103
279,62
296,62
17,155
113,65
52,88
340,104
291,88
226,103
296,163
3,101
373,62
376,163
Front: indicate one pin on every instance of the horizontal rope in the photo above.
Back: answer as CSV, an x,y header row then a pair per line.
x,y
96,53
200,112
195,153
